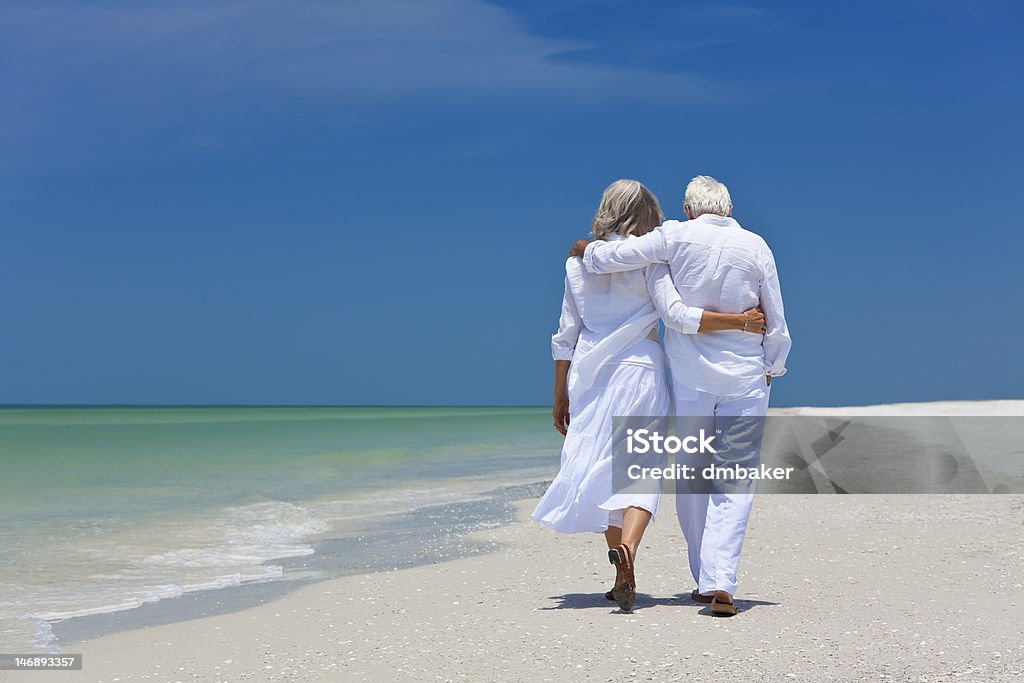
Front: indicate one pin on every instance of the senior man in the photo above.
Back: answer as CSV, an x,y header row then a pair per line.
x,y
720,379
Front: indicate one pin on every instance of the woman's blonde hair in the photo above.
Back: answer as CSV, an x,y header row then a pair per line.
x,y
627,208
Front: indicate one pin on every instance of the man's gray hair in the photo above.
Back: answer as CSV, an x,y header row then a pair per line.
x,y
704,194
627,208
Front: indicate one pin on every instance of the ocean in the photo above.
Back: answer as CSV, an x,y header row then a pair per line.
x,y
107,510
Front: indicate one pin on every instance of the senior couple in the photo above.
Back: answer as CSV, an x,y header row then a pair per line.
x,y
715,287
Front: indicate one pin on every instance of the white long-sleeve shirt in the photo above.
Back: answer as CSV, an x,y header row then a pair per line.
x,y
716,265
597,307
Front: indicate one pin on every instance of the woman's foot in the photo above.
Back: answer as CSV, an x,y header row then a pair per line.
x,y
624,592
620,571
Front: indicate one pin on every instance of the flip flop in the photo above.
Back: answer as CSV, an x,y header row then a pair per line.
x,y
702,599
625,592
723,609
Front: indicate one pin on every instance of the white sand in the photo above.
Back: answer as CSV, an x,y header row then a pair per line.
x,y
915,588
1006,408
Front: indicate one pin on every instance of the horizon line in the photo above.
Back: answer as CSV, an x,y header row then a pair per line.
x,y
268,405
9,406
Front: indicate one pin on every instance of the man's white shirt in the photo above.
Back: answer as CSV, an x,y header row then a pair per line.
x,y
715,265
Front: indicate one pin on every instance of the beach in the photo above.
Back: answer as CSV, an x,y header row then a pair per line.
x,y
832,588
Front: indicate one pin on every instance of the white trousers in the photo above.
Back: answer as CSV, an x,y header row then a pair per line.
x,y
714,523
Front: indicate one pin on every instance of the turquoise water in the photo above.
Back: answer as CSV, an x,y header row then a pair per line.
x,y
106,509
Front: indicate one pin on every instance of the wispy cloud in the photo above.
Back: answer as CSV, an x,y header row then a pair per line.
x,y
124,72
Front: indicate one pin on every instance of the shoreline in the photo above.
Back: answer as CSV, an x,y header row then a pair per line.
x,y
401,540
152,504
833,588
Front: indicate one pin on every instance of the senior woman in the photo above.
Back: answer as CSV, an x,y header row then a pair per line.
x,y
608,363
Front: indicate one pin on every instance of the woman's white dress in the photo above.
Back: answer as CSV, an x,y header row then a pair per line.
x,y
608,329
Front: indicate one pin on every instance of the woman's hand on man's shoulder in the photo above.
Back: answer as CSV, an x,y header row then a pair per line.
x,y
578,248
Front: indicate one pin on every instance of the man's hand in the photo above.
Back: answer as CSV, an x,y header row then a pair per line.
x,y
578,248
753,321
560,413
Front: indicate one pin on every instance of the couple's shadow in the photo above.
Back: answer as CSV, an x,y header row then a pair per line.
x,y
643,600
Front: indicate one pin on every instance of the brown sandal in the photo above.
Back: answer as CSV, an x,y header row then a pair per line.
x,y
702,599
624,592
723,609
620,574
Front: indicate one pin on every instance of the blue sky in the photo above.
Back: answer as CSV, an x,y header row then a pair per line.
x,y
370,202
